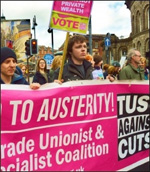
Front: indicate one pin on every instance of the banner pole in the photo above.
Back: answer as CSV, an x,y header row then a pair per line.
x,y
64,57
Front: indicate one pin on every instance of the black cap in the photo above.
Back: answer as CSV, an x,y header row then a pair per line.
x,y
7,53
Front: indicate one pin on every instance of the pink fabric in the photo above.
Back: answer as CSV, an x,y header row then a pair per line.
x,y
80,8
69,128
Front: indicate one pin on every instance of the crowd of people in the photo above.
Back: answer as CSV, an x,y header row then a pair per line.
x,y
79,65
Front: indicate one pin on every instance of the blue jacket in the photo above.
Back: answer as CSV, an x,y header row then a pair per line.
x,y
17,79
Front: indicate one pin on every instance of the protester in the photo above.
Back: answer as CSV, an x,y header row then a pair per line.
x,y
113,71
98,72
10,74
56,63
41,76
111,74
146,70
76,67
132,70
117,65
23,69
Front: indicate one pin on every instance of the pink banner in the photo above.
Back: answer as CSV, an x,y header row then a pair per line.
x,y
84,126
71,16
80,8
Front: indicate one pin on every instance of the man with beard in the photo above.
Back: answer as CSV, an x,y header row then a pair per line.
x,y
133,69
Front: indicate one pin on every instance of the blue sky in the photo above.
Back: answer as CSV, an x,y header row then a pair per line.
x,y
107,16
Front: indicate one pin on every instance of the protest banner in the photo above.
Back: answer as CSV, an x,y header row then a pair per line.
x,y
79,125
71,16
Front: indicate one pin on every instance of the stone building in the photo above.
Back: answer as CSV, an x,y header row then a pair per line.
x,y
139,36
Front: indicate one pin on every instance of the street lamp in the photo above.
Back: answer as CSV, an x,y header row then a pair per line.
x,y
51,31
34,24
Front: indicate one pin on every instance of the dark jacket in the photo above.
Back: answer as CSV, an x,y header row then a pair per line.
x,y
17,79
71,72
39,78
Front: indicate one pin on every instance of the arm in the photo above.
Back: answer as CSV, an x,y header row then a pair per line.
x,y
35,86
123,75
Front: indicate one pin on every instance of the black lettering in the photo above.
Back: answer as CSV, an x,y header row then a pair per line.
x,y
132,104
126,126
132,125
121,130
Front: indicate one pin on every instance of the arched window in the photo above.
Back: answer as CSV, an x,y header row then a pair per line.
x,y
147,45
111,55
139,46
146,18
147,13
133,23
122,51
138,22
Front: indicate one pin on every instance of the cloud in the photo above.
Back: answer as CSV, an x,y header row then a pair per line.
x,y
112,17
107,16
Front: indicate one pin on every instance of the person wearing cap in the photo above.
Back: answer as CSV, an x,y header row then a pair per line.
x,y
8,69
116,64
133,69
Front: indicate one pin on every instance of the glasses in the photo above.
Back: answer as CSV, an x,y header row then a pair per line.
x,y
137,55
42,62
